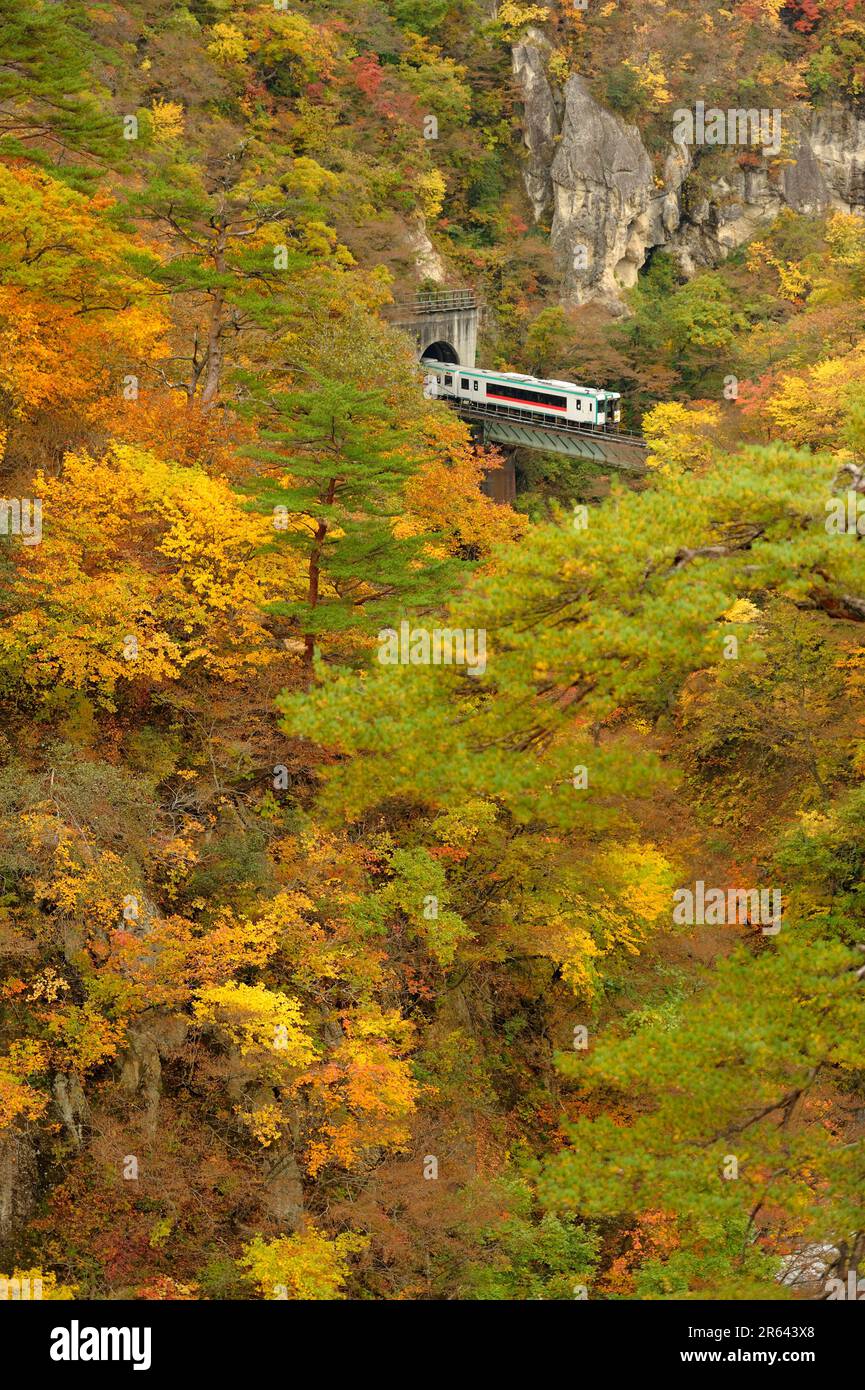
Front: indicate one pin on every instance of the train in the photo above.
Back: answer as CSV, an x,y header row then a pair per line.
x,y
561,403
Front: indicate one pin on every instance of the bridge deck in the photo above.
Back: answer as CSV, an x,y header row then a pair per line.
x,y
521,428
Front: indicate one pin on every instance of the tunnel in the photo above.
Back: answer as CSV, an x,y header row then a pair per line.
x,y
440,352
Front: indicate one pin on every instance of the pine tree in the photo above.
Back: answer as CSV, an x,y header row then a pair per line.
x,y
47,108
338,460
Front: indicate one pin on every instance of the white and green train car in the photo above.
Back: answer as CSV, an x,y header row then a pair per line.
x,y
552,401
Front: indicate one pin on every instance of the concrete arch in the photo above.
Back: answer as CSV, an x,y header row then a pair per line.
x,y
444,321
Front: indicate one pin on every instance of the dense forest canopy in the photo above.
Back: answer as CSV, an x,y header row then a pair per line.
x,y
325,976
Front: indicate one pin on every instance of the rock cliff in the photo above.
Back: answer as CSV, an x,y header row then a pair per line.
x,y
587,172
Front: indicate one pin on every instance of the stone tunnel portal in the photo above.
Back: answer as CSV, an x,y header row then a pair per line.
x,y
440,351
443,324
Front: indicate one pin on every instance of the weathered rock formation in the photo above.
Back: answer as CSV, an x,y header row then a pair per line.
x,y
160,1036
72,1106
541,119
587,170
19,1176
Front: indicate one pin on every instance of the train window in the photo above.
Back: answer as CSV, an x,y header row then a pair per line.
x,y
464,383
449,381
579,404
502,391
475,385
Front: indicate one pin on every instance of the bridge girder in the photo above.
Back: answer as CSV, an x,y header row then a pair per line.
x,y
621,451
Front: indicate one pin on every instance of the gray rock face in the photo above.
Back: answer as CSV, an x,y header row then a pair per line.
x,y
283,1190
541,119
19,1176
836,143
610,206
606,209
141,1065
429,263
736,207
72,1106
804,184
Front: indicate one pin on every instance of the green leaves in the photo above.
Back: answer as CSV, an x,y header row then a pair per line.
x,y
752,1053
335,460
46,103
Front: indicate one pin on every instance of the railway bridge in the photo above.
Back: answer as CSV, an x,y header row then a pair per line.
x,y
444,327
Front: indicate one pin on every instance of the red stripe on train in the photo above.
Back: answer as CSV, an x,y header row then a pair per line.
x,y
538,405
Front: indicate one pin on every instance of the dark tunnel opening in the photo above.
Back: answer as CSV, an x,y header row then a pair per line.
x,y
440,352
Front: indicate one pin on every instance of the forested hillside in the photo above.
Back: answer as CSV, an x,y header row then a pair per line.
x,y
325,975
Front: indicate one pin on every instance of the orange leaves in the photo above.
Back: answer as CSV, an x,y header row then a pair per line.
x,y
444,495
365,1090
654,1237
164,423
72,309
19,1100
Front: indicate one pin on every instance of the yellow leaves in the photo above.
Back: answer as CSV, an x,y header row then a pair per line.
x,y
742,611
178,855
794,285
772,11
515,17
265,1124
86,886
235,943
309,1265
679,437
807,407
642,876
815,823
306,49
83,1038
160,1231
652,80
559,66
257,1020
572,946
845,235
793,282
145,569
365,1089
755,256
461,827
852,663
320,240
47,986
625,901
19,1100
35,1283
431,189
228,44
309,179
166,119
